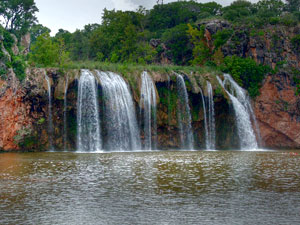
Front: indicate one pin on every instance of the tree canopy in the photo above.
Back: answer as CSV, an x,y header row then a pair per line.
x,y
18,15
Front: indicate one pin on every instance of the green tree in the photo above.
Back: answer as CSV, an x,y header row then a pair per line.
x,y
18,15
269,8
63,55
79,46
246,72
172,14
221,37
293,5
238,10
201,52
45,52
36,30
296,41
177,40
119,35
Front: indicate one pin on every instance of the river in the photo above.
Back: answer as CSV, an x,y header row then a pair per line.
x,y
157,187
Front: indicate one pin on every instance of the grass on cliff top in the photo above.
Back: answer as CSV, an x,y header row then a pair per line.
x,y
129,68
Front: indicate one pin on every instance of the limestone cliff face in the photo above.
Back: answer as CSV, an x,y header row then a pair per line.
x,y
269,46
278,112
277,107
14,113
24,111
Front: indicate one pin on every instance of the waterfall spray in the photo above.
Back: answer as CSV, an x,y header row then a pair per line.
x,y
211,119
184,115
65,113
119,114
50,120
169,107
205,120
148,104
88,123
242,106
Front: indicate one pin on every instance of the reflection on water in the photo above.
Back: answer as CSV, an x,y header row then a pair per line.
x,y
220,187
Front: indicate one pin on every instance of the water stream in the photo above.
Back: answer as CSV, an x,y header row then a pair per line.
x,y
148,109
50,120
184,115
169,106
88,122
211,119
65,113
241,105
119,117
205,120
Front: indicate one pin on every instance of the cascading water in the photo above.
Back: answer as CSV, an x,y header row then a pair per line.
x,y
211,119
50,120
205,120
242,108
169,106
119,114
88,123
148,104
65,113
184,115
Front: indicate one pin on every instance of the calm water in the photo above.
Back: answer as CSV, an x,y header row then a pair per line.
x,y
222,187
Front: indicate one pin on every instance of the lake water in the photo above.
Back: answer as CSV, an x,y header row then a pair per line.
x,y
192,187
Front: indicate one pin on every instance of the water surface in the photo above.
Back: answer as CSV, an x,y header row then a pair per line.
x,y
200,187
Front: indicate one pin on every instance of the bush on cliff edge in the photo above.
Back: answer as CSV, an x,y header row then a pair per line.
x,y
246,72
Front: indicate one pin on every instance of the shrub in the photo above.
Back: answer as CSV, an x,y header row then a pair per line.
x,y
274,20
8,40
296,41
18,64
177,41
221,37
45,52
201,52
296,78
288,20
246,72
114,57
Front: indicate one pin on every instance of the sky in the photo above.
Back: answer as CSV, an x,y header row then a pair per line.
x,y
75,14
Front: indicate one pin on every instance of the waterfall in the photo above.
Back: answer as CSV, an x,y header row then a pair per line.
x,y
211,119
205,120
243,110
119,114
65,114
169,107
184,115
148,104
50,120
88,123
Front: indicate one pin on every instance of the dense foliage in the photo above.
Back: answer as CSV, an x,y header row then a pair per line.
x,y
246,72
170,33
18,15
8,59
125,36
45,52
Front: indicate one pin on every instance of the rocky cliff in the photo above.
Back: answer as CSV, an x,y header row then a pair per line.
x,y
278,111
24,110
24,106
277,106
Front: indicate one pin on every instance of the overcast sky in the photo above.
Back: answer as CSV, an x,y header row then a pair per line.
x,y
74,14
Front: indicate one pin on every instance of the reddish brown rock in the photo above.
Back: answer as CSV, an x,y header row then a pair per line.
x,y
277,112
14,114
